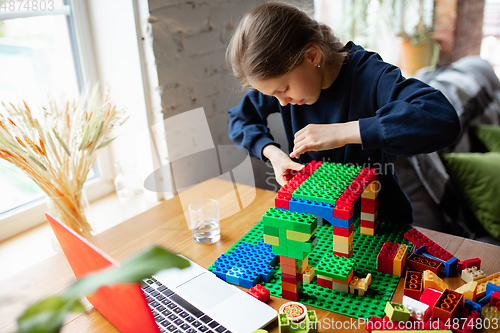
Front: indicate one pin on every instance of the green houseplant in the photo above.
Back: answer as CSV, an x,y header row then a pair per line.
x,y
47,315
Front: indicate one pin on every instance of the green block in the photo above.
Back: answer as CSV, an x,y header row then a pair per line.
x,y
296,253
271,231
280,250
285,219
283,323
336,267
303,246
306,226
283,237
397,312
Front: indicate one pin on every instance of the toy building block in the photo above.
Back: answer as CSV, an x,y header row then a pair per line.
x,y
360,285
338,231
336,267
400,260
371,191
495,298
367,231
283,323
417,309
490,314
417,262
340,287
413,284
450,265
247,265
469,263
259,292
369,205
281,201
448,305
385,258
308,275
472,306
396,312
343,240
472,274
482,283
430,296
431,280
419,239
324,281
369,217
468,290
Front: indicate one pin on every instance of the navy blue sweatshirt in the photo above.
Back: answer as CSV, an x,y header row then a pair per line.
x,y
397,116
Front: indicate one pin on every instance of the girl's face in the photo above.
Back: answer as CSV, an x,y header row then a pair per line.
x,y
300,86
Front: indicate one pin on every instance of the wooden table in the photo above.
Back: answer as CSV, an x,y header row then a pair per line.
x,y
165,225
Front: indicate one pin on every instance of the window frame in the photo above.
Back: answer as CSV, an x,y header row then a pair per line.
x,y
31,214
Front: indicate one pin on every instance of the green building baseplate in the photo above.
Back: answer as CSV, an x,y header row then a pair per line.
x,y
366,249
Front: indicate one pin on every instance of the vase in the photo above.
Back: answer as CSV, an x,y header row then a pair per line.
x,y
415,57
74,211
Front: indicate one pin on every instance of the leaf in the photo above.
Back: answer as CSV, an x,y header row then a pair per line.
x,y
138,268
47,316
104,144
65,147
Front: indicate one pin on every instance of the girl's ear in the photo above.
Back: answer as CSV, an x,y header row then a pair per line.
x,y
313,55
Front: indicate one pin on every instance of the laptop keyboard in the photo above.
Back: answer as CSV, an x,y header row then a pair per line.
x,y
174,314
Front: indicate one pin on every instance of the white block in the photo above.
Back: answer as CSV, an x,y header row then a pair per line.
x,y
418,310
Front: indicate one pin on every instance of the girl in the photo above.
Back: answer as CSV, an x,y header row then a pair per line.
x,y
338,103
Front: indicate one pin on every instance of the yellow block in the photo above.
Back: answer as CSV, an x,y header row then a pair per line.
x,y
308,276
342,239
305,264
289,287
298,236
468,290
371,191
272,240
400,260
490,314
361,285
481,284
342,248
367,231
431,280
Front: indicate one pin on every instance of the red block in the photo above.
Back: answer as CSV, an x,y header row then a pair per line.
x,y
289,295
368,224
343,210
281,201
259,292
385,258
430,296
338,231
469,263
324,283
495,299
419,239
369,205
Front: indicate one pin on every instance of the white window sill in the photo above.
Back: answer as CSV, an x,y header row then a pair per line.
x,y
35,245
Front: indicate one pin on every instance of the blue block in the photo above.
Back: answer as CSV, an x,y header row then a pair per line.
x,y
321,209
341,223
491,288
473,306
247,265
485,300
450,266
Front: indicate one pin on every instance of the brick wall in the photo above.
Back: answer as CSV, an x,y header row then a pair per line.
x,y
458,28
189,43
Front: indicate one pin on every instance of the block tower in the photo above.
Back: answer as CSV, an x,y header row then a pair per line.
x,y
331,191
292,238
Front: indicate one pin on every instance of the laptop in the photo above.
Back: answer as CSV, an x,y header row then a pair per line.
x,y
192,299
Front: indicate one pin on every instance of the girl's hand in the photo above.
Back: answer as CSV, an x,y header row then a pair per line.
x,y
315,137
284,167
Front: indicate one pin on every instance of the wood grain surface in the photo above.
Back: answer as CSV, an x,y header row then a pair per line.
x,y
165,225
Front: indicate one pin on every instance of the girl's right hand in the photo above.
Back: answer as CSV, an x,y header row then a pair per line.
x,y
284,167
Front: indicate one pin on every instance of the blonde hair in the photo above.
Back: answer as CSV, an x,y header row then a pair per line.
x,y
272,39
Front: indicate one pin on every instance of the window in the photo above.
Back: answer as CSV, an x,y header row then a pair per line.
x,y
42,51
